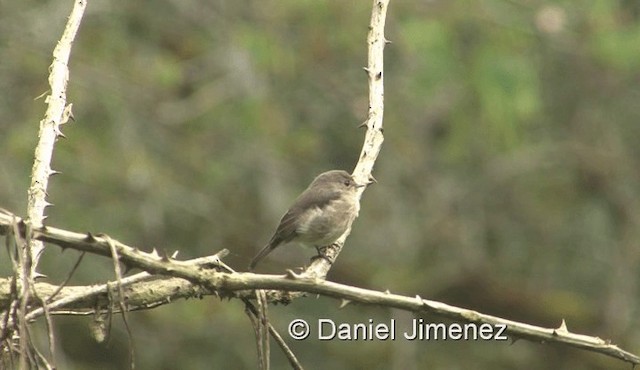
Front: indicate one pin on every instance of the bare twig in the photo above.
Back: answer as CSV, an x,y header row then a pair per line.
x,y
48,320
252,311
259,319
24,282
241,284
373,137
121,297
232,283
293,360
66,281
84,298
56,115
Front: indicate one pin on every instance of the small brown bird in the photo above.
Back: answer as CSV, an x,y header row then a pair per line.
x,y
319,216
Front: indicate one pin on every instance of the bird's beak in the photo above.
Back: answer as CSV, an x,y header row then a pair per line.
x,y
371,179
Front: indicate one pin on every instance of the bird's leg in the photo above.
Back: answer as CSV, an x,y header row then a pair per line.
x,y
322,254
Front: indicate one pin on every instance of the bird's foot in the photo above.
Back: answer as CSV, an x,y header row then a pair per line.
x,y
322,253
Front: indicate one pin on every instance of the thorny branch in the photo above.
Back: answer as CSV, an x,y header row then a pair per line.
x,y
241,285
171,279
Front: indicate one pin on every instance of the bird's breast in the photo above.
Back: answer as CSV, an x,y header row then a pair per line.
x,y
320,226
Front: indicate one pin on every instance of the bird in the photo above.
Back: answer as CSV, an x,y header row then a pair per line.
x,y
319,216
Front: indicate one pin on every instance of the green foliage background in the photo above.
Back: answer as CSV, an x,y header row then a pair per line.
x,y
508,182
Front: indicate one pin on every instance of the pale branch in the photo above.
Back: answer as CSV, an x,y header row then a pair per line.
x,y
293,360
99,244
292,282
204,281
375,71
57,114
140,291
183,279
373,138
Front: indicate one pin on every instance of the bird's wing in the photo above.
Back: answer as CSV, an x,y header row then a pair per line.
x,y
291,221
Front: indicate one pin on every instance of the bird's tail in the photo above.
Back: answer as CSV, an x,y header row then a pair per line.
x,y
263,253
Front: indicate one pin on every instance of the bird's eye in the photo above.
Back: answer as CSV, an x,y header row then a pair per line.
x,y
347,182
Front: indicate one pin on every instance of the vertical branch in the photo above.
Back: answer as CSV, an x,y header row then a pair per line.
x,y
56,115
375,71
373,137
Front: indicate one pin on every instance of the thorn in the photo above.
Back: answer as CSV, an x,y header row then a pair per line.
x,y
175,254
54,172
419,299
165,257
292,275
289,274
387,291
67,114
366,70
562,328
344,303
41,95
216,261
154,253
90,238
388,41
223,253
37,275
363,124
372,180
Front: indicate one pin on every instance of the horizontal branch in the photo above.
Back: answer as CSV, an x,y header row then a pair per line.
x,y
241,285
101,244
147,292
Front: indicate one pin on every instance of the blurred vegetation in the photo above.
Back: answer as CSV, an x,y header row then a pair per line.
x,y
508,182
